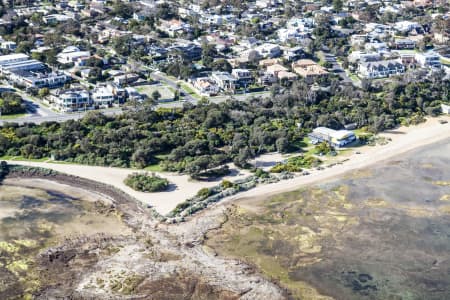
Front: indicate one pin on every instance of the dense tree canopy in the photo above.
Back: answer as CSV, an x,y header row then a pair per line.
x,y
11,103
194,139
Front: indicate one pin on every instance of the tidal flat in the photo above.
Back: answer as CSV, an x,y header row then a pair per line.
x,y
33,219
377,233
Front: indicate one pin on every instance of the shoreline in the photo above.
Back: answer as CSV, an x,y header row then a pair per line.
x,y
131,208
403,139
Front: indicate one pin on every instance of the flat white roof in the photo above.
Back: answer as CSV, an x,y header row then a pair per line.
x,y
334,134
14,56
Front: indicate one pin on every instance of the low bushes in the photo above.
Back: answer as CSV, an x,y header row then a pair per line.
x,y
296,164
207,196
143,182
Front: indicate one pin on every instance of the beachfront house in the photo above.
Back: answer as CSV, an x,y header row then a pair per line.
x,y
336,138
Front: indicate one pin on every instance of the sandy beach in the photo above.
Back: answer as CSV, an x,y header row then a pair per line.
x,y
403,139
182,186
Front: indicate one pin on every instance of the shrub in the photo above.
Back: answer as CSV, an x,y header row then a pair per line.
x,y
323,148
295,164
146,183
227,184
260,173
204,192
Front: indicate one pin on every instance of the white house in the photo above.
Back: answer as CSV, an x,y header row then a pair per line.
x,y
102,97
27,65
379,47
73,55
406,26
12,58
71,100
32,79
268,50
379,69
363,56
428,60
337,138
224,80
8,45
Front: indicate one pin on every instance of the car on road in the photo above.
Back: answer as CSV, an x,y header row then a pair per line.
x,y
443,121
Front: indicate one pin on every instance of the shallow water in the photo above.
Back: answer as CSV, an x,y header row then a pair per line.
x,y
379,233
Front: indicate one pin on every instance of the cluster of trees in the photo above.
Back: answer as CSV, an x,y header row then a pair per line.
x,y
11,103
146,183
195,139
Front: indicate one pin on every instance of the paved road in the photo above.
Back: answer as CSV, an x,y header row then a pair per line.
x,y
337,68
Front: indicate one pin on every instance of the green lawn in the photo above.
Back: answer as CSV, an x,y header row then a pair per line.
x,y
9,117
445,61
362,131
21,158
154,168
189,90
353,77
157,167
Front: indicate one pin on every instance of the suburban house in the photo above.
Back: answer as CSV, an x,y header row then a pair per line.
x,y
336,138
358,39
205,86
56,18
224,80
308,69
16,62
268,62
379,69
284,75
407,59
31,79
275,69
125,78
293,53
73,55
428,60
408,26
404,44
377,47
267,79
268,50
243,77
188,51
8,45
139,16
356,56
70,100
174,27
102,96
